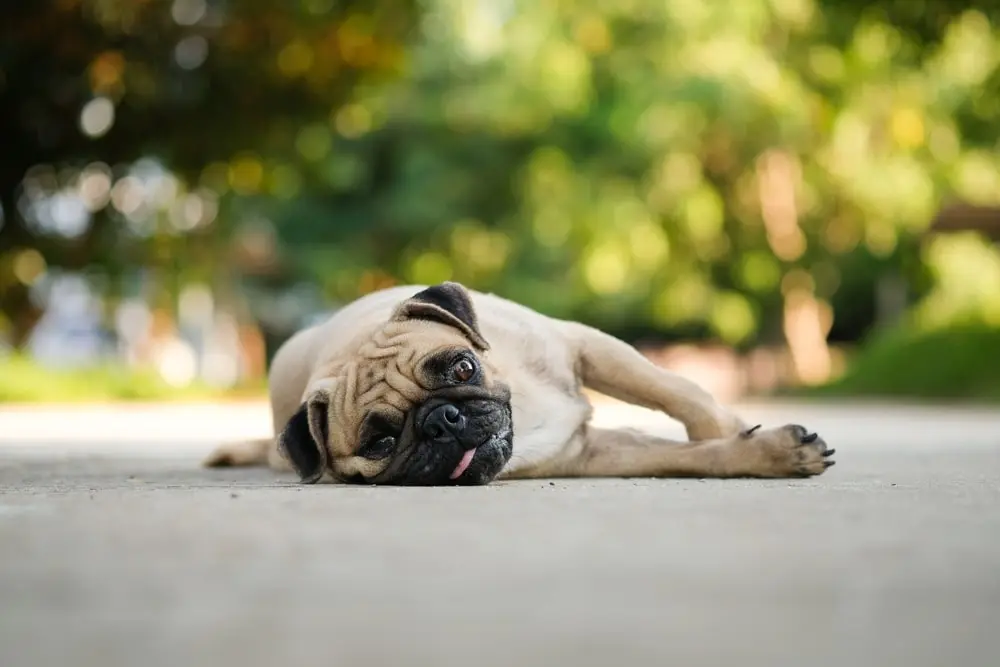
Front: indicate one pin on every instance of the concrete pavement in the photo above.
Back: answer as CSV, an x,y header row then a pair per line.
x,y
116,549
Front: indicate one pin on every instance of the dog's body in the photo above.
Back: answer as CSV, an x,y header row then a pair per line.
x,y
535,365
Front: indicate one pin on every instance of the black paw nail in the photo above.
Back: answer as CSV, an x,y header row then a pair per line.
x,y
827,464
809,437
829,452
747,433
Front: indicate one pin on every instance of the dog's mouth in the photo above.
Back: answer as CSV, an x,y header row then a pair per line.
x,y
471,451
463,463
482,463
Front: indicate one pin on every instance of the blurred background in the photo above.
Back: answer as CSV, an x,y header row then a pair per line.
x,y
771,196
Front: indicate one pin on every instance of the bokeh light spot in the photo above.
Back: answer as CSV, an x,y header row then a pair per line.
x,y
648,245
106,71
827,63
94,186
29,265
313,142
977,178
191,52
564,73
430,268
97,117
593,35
189,212
480,248
703,214
759,272
606,268
352,121
685,299
295,59
796,13
881,237
286,182
908,128
245,174
943,143
128,195
551,227
188,12
732,317
177,363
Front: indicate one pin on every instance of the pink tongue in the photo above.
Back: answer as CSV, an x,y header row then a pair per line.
x,y
464,463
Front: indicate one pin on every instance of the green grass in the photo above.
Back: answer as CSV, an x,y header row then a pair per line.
x,y
959,364
23,380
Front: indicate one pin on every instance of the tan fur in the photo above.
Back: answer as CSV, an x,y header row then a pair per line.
x,y
363,359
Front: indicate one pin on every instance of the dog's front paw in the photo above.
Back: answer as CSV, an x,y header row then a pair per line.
x,y
788,451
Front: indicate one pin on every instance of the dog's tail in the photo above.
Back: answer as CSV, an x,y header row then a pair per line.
x,y
241,453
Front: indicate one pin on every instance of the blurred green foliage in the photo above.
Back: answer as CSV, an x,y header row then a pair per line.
x,y
957,363
668,170
25,381
602,161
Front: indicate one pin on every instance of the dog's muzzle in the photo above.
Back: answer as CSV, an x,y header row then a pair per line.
x,y
457,442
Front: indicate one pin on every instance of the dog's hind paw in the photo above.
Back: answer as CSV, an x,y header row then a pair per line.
x,y
788,451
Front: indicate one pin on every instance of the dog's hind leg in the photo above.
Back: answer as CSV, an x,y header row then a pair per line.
x,y
240,453
788,451
617,369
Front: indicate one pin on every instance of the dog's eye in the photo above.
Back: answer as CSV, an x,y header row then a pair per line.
x,y
377,449
463,370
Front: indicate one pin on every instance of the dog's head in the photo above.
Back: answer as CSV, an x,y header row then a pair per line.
x,y
414,402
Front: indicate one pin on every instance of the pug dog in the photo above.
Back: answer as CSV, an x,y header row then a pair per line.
x,y
442,385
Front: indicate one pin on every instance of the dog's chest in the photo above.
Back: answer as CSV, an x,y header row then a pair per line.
x,y
545,420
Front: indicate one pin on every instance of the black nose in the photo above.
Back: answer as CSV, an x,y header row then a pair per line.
x,y
444,420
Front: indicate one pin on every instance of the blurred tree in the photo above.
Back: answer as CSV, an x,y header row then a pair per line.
x,y
192,83
754,172
682,169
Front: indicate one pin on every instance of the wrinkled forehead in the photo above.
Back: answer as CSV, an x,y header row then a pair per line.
x,y
397,368
407,341
405,348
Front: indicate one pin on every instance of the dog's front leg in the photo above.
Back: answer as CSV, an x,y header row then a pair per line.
x,y
615,368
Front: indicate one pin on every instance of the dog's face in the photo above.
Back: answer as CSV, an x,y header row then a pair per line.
x,y
416,402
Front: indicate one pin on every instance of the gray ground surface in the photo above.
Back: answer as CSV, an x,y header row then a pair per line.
x,y
131,555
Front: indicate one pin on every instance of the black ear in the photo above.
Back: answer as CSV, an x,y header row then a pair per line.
x,y
303,441
448,303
